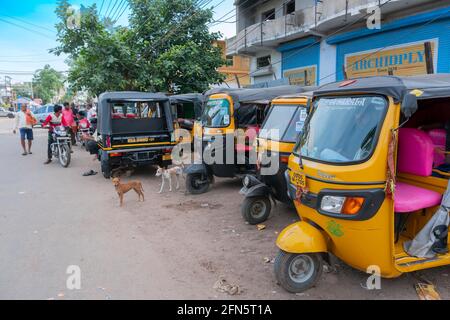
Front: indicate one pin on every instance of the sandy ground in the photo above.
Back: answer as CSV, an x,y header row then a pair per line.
x,y
172,246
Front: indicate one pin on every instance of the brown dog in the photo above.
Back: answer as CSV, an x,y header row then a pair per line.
x,y
123,188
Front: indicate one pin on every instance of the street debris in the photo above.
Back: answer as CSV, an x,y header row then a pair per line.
x,y
222,285
266,259
260,227
427,291
60,295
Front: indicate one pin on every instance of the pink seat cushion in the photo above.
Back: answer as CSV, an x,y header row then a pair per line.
x,y
439,137
243,148
409,198
415,152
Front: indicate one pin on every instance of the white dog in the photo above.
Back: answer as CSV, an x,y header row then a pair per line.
x,y
166,174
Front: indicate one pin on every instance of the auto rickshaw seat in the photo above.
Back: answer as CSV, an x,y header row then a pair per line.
x,y
251,134
439,137
415,156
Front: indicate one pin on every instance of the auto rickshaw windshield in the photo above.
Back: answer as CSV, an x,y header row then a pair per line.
x,y
284,123
343,130
216,113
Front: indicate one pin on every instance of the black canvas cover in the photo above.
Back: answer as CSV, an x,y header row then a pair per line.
x,y
104,113
428,86
197,99
242,96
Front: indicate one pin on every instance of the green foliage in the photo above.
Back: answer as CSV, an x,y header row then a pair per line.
x,y
46,83
22,89
167,47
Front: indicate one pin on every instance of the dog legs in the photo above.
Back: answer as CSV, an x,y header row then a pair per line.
x,y
121,199
162,184
170,183
178,181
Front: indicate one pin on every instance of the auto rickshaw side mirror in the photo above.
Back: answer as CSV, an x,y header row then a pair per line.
x,y
409,105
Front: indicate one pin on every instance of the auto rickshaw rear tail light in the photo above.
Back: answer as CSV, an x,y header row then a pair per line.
x,y
284,159
352,205
115,154
108,142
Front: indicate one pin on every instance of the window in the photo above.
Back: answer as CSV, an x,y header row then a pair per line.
x,y
136,110
289,7
216,113
268,15
284,123
229,61
262,62
343,130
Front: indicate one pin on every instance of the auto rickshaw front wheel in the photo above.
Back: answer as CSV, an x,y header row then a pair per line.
x,y
297,273
256,210
197,183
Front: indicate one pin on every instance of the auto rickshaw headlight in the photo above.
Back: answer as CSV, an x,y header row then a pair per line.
x,y
332,204
247,181
342,205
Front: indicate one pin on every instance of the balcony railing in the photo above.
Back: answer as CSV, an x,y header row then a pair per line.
x,y
272,31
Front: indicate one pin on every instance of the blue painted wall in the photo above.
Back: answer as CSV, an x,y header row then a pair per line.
x,y
300,53
415,32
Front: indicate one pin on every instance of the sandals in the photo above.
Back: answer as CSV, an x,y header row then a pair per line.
x,y
90,173
24,154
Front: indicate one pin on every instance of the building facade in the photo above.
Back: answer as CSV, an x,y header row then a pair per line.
x,y
313,42
237,69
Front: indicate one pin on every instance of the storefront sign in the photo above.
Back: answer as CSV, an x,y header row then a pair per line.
x,y
405,60
305,76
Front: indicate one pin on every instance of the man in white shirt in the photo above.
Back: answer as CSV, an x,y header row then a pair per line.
x,y
24,121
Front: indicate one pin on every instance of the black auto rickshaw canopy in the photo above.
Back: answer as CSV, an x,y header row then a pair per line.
x,y
196,99
105,112
407,90
247,100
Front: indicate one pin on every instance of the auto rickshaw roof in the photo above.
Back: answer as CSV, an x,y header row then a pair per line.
x,y
424,87
187,98
130,96
306,94
255,95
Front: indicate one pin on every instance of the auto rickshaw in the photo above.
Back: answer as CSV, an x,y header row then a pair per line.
x,y
134,129
287,115
366,178
187,109
227,110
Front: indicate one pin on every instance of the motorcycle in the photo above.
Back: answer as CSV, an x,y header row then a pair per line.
x,y
61,145
83,130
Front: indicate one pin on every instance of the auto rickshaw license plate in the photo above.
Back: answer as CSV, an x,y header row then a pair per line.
x,y
298,179
166,157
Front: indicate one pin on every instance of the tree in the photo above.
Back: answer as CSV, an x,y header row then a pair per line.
x,y
47,83
166,47
22,89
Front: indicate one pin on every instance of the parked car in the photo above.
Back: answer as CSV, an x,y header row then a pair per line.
x,y
43,112
6,113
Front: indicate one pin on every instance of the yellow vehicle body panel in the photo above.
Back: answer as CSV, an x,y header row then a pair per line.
x,y
301,237
360,244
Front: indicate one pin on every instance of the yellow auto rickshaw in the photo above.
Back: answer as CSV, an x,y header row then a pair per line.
x,y
367,179
276,139
228,112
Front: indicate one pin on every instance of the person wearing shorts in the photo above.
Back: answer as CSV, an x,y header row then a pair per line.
x,y
24,122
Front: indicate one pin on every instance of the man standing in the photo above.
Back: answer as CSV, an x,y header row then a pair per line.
x,y
24,121
69,119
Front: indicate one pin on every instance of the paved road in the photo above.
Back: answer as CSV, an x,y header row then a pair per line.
x,y
172,246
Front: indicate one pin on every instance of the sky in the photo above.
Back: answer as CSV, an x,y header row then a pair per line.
x,y
27,32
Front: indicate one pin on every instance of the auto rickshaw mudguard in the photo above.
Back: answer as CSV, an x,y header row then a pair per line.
x,y
302,237
196,168
259,190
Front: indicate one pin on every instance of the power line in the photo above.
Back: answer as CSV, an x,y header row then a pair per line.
x,y
112,8
28,29
123,11
119,7
109,4
101,7
30,23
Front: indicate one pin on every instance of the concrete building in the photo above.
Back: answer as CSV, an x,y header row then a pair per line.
x,y
237,69
313,42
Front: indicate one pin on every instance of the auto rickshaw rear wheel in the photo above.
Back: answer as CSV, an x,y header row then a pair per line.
x,y
197,183
106,168
256,210
298,272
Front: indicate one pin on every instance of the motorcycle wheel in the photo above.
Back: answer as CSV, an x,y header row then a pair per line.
x,y
64,155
